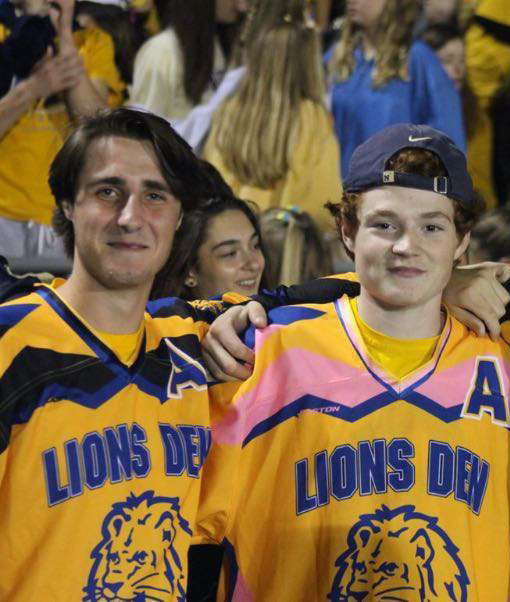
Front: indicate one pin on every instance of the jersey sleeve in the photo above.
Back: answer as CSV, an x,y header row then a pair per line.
x,y
321,290
237,415
233,406
207,310
220,482
14,382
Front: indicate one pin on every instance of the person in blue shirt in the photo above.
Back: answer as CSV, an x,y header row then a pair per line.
x,y
380,76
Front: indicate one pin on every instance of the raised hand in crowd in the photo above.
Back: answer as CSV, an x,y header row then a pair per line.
x,y
56,73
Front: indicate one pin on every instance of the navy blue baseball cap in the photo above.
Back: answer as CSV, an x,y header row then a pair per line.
x,y
367,168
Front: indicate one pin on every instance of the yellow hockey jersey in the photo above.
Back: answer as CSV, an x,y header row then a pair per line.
x,y
331,480
100,462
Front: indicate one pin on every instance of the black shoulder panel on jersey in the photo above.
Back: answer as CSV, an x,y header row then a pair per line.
x,y
17,287
169,306
39,376
173,306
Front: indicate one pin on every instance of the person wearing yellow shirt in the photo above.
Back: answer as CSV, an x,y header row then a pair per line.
x,y
273,139
487,68
76,77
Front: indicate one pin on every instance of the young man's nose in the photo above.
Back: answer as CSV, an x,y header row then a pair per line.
x,y
131,213
407,242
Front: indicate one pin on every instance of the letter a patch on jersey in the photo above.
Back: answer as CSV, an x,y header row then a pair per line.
x,y
487,393
186,372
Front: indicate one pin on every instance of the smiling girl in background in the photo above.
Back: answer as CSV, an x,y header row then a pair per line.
x,y
217,249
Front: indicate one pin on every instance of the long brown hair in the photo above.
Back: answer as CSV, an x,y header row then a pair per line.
x,y
393,39
255,131
194,24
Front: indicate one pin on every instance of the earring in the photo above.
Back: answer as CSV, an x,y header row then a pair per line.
x,y
190,281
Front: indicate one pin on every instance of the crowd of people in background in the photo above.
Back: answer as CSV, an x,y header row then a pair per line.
x,y
275,94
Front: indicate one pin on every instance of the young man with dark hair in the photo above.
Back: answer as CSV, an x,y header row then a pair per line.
x,y
104,405
366,458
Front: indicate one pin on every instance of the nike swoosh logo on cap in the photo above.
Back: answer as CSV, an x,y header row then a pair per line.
x,y
413,139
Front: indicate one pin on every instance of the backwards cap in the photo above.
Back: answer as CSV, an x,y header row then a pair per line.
x,y
367,168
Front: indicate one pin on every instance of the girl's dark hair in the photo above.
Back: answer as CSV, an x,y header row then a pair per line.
x,y
117,23
188,178
190,237
194,24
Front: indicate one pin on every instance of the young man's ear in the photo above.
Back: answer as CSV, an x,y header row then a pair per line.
x,y
67,208
348,239
462,247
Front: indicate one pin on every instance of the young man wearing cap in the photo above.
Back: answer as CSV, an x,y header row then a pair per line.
x,y
368,452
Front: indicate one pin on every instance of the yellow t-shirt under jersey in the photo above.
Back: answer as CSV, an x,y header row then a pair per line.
x,y
125,346
399,357
28,148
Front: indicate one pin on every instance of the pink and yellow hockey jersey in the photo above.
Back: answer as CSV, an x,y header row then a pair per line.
x,y
331,480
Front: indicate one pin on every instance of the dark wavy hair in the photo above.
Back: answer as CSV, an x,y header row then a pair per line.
x,y
184,173
195,27
191,236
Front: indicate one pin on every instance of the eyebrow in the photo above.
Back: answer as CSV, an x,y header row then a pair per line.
x,y
434,214
427,215
233,241
116,181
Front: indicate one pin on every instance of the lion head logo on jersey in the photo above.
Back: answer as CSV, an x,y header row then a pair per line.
x,y
137,558
399,555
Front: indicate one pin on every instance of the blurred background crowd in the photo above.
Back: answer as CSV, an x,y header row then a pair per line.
x,y
274,94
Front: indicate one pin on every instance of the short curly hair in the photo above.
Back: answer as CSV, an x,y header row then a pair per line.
x,y
413,161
